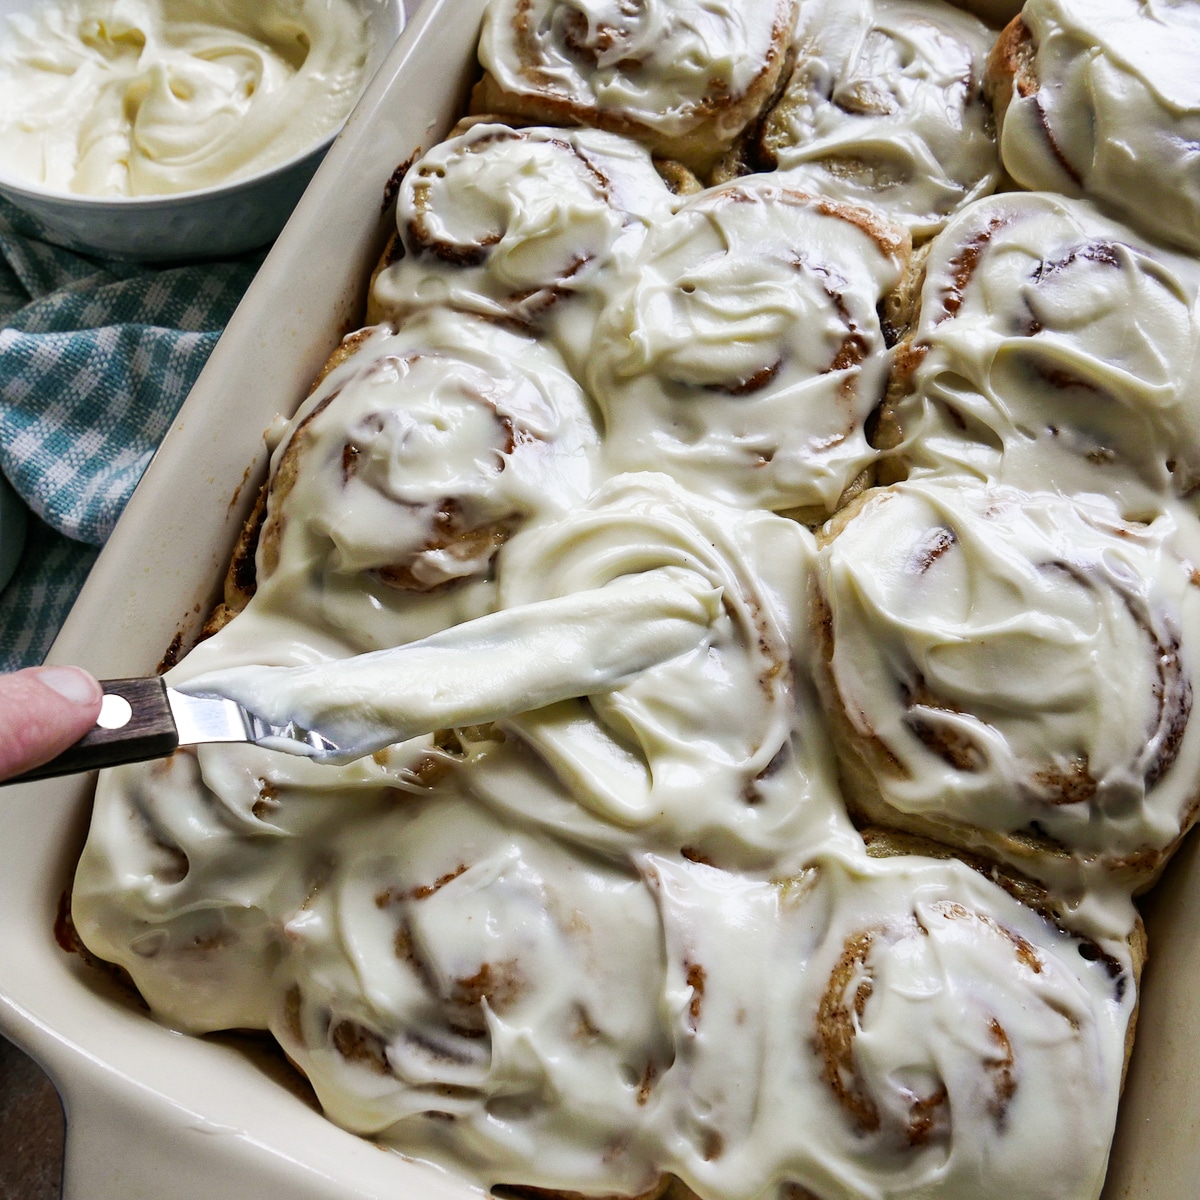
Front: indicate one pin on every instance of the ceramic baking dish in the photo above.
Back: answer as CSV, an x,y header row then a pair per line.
x,y
154,1114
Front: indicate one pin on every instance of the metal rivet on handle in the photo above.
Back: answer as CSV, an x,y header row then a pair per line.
x,y
115,712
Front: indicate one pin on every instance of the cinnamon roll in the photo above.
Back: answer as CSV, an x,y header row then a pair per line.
x,y
926,1034
1101,98
718,754
406,470
886,107
504,222
190,859
962,1043
1013,673
457,986
683,77
1053,346
743,351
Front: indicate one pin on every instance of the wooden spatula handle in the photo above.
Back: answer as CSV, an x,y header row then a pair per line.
x,y
135,724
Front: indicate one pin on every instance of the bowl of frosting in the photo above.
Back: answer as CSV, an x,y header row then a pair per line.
x,y
173,129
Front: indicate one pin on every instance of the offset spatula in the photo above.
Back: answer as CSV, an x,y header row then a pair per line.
x,y
515,660
144,718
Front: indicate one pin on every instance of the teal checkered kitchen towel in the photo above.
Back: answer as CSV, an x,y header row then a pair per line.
x,y
95,359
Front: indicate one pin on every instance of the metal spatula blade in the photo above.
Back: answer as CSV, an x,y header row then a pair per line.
x,y
200,719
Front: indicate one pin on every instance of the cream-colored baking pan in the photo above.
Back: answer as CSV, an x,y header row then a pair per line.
x,y
154,1114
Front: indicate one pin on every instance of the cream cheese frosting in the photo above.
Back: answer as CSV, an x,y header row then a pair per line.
x,y
1056,346
659,66
1115,112
592,915
742,350
405,471
719,754
885,107
924,1036
480,671
1019,663
457,985
508,222
141,97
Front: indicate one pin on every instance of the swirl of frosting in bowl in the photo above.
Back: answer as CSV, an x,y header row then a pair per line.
x,y
684,78
1015,671
1054,346
1102,98
504,221
460,986
743,352
411,463
885,107
719,752
140,97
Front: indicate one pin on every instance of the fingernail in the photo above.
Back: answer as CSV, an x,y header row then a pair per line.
x,y
71,683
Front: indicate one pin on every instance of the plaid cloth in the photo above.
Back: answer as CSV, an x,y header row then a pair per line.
x,y
95,359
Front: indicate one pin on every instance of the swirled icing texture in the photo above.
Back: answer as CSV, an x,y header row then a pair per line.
x,y
480,671
1019,663
1116,113
1055,345
742,350
507,223
719,752
405,471
653,66
924,1038
141,97
885,107
468,988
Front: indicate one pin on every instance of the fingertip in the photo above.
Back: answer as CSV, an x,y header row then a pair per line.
x,y
73,684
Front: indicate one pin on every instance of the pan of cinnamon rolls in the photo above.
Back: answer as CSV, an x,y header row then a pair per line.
x,y
772,454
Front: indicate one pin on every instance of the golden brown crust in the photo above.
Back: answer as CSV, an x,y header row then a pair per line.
x,y
677,177
1011,67
815,516
899,314
901,307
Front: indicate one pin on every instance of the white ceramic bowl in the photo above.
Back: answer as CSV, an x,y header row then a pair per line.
x,y
213,222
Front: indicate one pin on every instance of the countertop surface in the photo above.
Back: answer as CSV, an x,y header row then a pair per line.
x,y
31,1129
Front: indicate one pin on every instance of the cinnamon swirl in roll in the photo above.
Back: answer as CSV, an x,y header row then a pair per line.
x,y
1013,673
743,350
885,107
1102,98
1053,346
682,77
406,470
504,222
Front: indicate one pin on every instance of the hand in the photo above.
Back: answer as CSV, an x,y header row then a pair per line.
x,y
43,710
